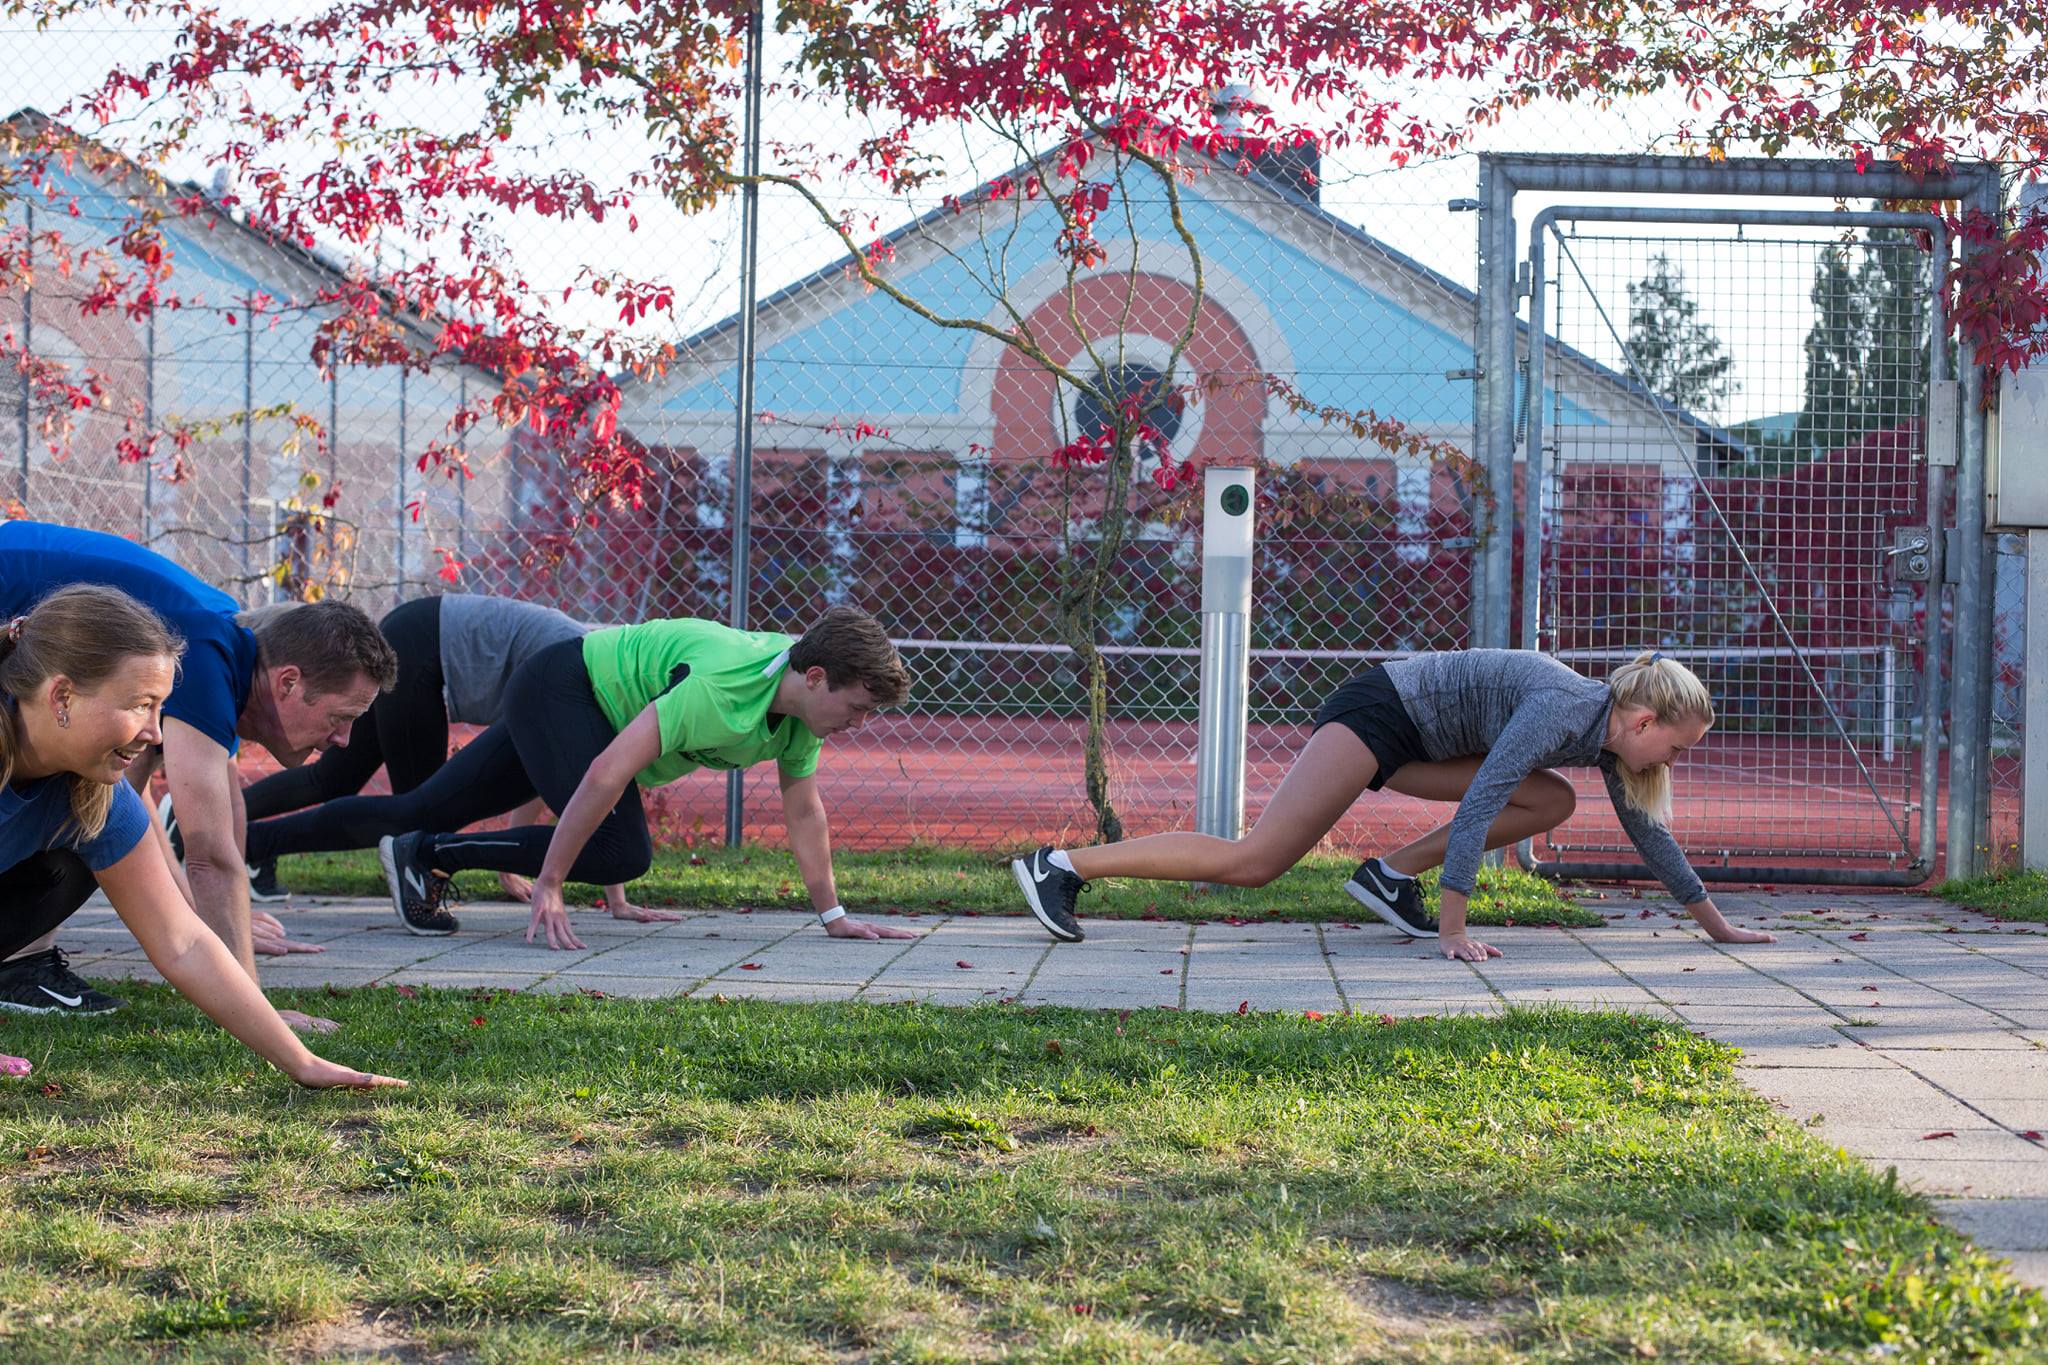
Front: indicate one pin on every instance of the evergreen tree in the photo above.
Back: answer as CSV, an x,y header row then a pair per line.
x,y
1866,353
1680,357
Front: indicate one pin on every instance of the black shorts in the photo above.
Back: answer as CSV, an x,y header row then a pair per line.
x,y
1369,707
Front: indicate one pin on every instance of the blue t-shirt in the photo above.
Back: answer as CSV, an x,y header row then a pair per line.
x,y
220,656
36,817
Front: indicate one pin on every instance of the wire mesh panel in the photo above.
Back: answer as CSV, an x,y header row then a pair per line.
x,y
1744,508
2008,678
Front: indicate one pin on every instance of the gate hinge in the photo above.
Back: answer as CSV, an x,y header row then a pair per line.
x,y
1464,374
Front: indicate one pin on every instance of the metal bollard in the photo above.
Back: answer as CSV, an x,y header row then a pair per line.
x,y
1226,651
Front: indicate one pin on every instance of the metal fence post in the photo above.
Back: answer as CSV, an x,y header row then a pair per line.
x,y
2034,756
248,429
398,493
149,427
743,419
1226,651
28,348
1493,569
1969,672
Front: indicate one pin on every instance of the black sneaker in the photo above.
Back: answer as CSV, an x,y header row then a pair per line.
x,y
45,984
418,892
263,883
169,820
1050,892
1397,900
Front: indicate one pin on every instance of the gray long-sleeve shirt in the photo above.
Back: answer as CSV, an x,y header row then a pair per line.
x,y
484,640
1523,711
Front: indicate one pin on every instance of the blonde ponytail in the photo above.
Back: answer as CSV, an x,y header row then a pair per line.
x,y
1669,691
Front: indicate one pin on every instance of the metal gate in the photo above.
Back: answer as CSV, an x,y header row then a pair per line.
x,y
1755,488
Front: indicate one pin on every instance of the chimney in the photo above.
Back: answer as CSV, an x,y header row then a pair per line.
x,y
1298,169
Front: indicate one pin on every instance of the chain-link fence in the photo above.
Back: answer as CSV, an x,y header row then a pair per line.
x,y
1762,552
908,467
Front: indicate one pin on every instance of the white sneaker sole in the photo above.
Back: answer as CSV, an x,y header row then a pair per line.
x,y
68,1011
1020,868
1366,897
390,866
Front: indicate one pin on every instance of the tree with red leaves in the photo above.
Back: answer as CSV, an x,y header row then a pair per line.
x,y
1103,102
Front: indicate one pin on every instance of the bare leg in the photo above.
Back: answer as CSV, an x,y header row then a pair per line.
x,y
1332,770
1543,801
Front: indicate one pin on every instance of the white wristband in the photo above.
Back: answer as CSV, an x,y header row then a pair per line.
x,y
827,916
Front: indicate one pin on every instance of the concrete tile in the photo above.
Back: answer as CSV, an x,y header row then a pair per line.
x,y
1859,1098
1827,1055
1975,1179
1135,995
1223,996
2004,1225
633,987
1973,1142
1986,1075
309,977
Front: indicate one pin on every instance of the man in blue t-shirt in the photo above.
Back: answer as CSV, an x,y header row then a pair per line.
x,y
295,686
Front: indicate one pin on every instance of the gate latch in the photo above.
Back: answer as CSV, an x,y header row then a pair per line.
x,y
1911,554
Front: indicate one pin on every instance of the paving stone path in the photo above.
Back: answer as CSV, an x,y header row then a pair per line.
x,y
1909,1032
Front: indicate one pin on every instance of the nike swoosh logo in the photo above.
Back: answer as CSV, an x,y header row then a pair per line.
x,y
1038,863
69,1000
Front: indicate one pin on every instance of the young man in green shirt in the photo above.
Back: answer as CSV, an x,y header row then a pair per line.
x,y
587,722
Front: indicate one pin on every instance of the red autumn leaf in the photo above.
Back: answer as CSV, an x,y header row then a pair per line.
x,y
1858,938
1387,1019
963,964
750,966
51,1090
1166,971
476,1021
1243,1005
1052,1047
2031,1135
1311,1014
406,992
1929,1137
1869,988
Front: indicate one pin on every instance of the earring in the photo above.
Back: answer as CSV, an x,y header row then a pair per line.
x,y
63,718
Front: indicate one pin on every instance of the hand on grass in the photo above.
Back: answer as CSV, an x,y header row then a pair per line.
x,y
15,1066
846,926
551,918
516,886
321,1074
307,1023
1463,949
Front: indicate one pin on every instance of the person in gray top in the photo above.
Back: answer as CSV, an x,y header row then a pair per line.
x,y
455,654
1484,728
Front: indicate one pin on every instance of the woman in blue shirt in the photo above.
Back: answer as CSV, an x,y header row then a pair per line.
x,y
83,677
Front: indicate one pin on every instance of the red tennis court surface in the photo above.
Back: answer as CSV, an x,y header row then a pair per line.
x,y
1004,782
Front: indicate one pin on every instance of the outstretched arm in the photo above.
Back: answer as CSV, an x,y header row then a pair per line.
x,y
206,792
810,839
1664,857
193,959
632,749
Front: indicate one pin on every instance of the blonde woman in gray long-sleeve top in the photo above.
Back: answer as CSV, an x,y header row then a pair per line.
x,y
1482,727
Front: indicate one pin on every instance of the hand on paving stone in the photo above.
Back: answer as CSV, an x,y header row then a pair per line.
x,y
267,936
847,926
307,1023
516,886
1463,949
639,914
551,918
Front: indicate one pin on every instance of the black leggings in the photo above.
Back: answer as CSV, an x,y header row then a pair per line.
x,y
405,731
39,893
552,731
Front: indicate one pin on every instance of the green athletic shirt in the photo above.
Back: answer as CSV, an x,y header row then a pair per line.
x,y
710,686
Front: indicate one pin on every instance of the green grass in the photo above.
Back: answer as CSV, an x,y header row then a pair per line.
x,y
2011,893
927,880
582,1179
